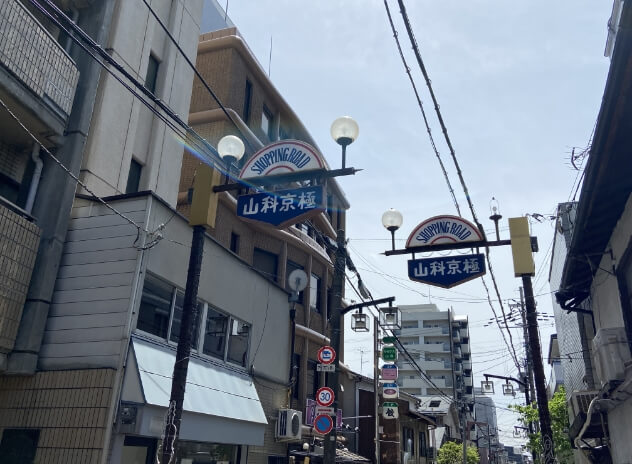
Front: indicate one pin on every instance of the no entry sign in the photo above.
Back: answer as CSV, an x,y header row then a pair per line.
x,y
325,396
326,355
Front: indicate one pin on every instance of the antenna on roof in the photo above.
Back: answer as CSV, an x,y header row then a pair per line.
x,y
270,57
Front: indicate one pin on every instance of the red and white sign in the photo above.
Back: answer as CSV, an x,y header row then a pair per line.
x,y
443,229
323,424
326,355
281,158
325,396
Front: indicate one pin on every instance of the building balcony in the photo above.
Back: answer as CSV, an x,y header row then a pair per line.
x,y
437,347
19,241
468,380
456,335
38,78
465,348
467,364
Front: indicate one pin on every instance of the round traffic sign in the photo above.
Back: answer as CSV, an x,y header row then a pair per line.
x,y
325,396
323,424
326,355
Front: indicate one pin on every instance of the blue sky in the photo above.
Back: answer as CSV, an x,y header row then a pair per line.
x,y
519,84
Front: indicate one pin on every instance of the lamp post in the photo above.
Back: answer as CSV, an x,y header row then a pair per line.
x,y
230,150
344,131
392,220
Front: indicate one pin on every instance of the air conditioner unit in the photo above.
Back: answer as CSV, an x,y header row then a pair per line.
x,y
289,424
580,400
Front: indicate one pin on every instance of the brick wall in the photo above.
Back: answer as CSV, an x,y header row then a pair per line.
x,y
70,409
19,241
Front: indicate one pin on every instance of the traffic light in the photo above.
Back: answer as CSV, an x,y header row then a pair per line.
x,y
204,202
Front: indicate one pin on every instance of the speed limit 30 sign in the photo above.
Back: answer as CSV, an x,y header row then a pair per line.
x,y
325,396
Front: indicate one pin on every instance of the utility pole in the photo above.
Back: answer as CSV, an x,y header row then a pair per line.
x,y
376,384
329,453
528,347
463,430
538,373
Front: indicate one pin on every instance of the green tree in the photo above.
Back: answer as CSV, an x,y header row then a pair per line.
x,y
559,425
452,453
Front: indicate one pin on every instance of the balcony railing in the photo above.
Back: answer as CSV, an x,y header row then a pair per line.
x,y
29,52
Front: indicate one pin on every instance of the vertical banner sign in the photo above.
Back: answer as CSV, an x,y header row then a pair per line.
x,y
389,353
390,391
390,410
389,372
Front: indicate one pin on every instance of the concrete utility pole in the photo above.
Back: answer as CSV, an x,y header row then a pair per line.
x,y
329,453
376,384
548,455
523,314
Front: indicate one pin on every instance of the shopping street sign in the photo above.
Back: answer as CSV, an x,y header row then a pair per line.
x,y
443,229
389,353
446,271
390,410
283,207
281,158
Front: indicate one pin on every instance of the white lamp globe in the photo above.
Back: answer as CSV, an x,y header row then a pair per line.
x,y
232,146
392,219
345,130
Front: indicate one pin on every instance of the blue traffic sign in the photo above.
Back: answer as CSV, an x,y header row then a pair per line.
x,y
446,271
323,424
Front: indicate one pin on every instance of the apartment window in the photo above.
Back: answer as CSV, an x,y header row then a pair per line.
x,y
234,243
152,74
267,122
315,302
247,100
18,446
265,262
133,178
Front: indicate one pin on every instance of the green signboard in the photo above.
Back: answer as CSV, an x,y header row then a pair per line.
x,y
389,340
389,353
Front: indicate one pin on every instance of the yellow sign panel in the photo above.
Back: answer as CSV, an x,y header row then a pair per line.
x,y
521,247
204,202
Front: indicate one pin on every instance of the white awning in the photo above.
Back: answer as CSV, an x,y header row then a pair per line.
x,y
221,404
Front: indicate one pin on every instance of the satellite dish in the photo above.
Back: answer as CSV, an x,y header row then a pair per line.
x,y
297,280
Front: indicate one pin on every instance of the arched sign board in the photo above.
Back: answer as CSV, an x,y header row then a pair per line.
x,y
282,208
281,158
443,229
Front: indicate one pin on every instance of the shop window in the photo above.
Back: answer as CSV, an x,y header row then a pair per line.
x,y
212,453
265,262
247,100
139,450
315,300
215,333
151,78
238,342
133,178
18,446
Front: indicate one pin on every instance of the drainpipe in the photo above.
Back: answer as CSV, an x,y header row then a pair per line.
x,y
37,173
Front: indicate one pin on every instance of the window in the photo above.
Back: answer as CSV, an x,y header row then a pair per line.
x,y
277,460
234,243
215,333
155,307
283,133
409,440
160,314
133,178
247,100
423,447
152,74
18,446
292,266
177,317
314,293
265,262
266,122
296,359
434,404
238,342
